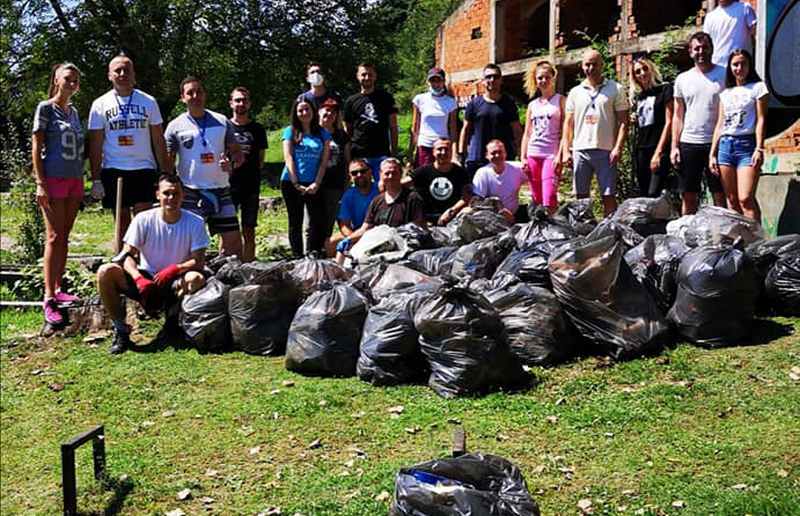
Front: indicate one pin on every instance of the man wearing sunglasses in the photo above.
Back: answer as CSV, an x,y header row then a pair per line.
x,y
491,116
353,206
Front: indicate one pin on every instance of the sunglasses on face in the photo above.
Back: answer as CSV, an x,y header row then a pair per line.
x,y
357,172
494,76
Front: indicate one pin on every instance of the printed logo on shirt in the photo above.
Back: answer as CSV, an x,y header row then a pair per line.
x,y
441,188
540,123
245,139
369,114
125,140
645,111
207,157
187,140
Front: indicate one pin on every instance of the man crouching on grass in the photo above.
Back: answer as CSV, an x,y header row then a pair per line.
x,y
161,260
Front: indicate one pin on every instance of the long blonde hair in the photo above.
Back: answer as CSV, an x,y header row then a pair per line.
x,y
655,76
530,77
56,72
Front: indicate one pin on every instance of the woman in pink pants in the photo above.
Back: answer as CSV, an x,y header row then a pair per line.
x,y
541,153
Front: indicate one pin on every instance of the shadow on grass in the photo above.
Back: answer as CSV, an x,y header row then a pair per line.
x,y
162,341
764,331
121,489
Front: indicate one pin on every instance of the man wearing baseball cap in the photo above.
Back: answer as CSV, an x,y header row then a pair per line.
x,y
435,115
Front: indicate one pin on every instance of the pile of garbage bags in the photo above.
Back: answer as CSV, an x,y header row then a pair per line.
x,y
469,306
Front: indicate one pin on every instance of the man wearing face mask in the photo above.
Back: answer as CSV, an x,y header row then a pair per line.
x,y
318,93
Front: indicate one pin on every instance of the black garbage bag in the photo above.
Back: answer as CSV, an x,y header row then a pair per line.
x,y
309,272
325,333
579,215
539,331
646,215
783,285
416,237
480,259
443,236
530,264
231,273
260,317
474,484
465,343
435,262
608,227
214,264
390,352
266,273
655,264
716,225
718,288
604,300
398,276
482,221
766,252
543,228
204,317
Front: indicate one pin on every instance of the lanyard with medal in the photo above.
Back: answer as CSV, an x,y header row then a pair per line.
x,y
591,113
205,157
125,140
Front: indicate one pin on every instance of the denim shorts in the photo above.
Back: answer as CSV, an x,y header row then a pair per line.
x,y
736,151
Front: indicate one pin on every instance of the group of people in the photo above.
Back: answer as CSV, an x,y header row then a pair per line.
x,y
708,126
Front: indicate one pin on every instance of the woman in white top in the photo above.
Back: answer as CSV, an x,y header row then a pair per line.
x,y
541,141
435,115
737,150
57,155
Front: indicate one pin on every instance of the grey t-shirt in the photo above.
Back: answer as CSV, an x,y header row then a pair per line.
x,y
63,140
199,144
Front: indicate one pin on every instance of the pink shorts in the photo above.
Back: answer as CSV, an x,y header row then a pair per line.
x,y
62,187
424,156
544,180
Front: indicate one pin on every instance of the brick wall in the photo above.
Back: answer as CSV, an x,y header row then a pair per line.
x,y
461,51
786,143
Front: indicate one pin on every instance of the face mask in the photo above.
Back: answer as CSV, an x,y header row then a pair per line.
x,y
316,79
433,90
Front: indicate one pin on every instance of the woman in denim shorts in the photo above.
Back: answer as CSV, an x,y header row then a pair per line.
x,y
737,150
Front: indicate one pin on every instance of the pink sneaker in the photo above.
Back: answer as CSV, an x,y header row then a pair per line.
x,y
63,297
52,314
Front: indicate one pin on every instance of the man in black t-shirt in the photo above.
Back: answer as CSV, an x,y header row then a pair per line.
x,y
443,185
246,179
370,117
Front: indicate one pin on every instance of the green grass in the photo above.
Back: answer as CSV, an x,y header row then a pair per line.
x,y
688,425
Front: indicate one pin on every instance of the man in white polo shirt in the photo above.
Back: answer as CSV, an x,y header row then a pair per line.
x,y
201,138
126,139
595,128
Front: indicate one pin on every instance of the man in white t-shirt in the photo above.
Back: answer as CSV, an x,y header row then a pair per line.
x,y
731,25
162,259
203,138
502,180
126,139
595,128
696,96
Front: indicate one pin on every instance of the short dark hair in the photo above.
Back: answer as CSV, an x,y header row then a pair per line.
x,y
752,75
313,63
190,78
171,178
358,160
700,36
240,89
367,64
493,66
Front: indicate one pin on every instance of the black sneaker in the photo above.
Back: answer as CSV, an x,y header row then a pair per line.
x,y
122,341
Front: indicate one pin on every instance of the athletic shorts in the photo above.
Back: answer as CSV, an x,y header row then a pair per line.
x,y
736,151
248,201
137,186
215,206
589,161
693,166
63,187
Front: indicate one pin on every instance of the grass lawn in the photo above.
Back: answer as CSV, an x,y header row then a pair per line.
x,y
716,431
